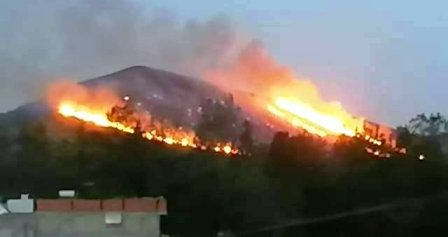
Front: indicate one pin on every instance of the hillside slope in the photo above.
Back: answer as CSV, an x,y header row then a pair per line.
x,y
166,95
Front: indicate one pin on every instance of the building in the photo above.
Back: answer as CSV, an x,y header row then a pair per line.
x,y
83,217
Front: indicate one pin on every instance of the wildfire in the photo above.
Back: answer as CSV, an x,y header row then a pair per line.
x,y
169,136
328,123
68,109
305,116
293,120
288,96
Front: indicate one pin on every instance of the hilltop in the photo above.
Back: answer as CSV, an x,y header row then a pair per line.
x,y
167,95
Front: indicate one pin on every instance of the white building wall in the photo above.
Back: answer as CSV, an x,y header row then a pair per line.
x,y
22,205
83,224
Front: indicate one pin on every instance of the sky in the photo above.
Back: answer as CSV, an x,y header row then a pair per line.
x,y
384,60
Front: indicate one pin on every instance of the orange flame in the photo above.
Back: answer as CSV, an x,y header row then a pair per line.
x,y
312,120
293,99
168,136
69,109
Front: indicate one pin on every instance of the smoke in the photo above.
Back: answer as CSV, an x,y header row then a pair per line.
x,y
41,41
102,99
255,71
82,39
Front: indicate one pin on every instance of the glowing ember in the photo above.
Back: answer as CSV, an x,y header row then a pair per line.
x,y
184,142
169,140
421,157
227,149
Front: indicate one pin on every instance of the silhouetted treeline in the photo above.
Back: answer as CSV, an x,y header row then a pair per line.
x,y
294,177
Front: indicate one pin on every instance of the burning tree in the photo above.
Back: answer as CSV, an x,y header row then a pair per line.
x,y
123,114
127,118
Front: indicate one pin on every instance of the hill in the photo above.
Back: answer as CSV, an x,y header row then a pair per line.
x,y
166,95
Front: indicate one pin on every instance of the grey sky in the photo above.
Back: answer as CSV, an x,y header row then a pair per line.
x,y
385,60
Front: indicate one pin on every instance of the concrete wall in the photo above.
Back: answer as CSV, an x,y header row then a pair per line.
x,y
82,224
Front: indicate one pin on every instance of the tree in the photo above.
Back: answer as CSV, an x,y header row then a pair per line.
x,y
32,165
424,135
6,163
429,147
219,120
125,114
404,137
303,150
279,150
4,143
428,126
246,139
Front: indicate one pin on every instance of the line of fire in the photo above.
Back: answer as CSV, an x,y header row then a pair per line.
x,y
291,115
279,114
129,118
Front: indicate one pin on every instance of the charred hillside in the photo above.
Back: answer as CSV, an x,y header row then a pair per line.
x,y
167,96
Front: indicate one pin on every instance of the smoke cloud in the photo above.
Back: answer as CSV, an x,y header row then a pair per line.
x,y
101,99
41,41
82,39
255,71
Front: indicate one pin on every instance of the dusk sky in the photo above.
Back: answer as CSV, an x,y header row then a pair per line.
x,y
384,60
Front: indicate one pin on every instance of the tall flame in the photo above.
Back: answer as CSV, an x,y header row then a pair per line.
x,y
293,99
305,116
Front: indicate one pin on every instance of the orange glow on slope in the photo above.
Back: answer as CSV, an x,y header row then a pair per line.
x,y
315,122
309,118
294,121
291,97
68,109
168,136
304,116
